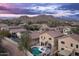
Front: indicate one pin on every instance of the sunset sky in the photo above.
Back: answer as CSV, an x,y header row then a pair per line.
x,y
55,9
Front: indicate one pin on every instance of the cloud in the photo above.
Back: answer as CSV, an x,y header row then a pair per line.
x,y
9,15
57,10
60,13
16,15
42,8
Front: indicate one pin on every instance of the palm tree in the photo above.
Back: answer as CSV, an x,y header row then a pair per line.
x,y
24,43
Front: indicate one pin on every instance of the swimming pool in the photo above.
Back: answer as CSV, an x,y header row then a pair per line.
x,y
35,51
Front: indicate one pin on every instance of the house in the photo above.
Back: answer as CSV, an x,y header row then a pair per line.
x,y
63,29
48,39
75,24
14,27
3,26
67,30
44,27
59,28
68,45
16,30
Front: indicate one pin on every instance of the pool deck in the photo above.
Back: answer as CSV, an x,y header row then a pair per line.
x,y
37,53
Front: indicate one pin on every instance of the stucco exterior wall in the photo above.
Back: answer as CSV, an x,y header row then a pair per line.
x,y
46,39
68,41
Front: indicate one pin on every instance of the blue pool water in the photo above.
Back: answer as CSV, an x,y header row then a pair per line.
x,y
35,51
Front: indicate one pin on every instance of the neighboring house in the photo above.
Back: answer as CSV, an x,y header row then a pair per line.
x,y
22,24
39,25
3,26
17,31
35,38
68,45
44,27
59,28
63,29
67,30
75,24
48,39
14,27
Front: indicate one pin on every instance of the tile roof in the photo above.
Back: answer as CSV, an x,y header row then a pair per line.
x,y
54,33
3,25
17,30
75,37
14,27
35,34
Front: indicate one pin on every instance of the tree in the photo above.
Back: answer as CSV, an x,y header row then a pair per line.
x,y
26,26
75,30
4,33
53,23
30,22
24,43
31,27
3,50
34,27
0,41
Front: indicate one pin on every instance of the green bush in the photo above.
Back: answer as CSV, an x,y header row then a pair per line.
x,y
4,33
75,30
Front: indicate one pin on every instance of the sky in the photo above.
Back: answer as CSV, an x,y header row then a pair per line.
x,y
69,10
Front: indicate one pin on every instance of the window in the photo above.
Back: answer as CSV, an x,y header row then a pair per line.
x,y
62,42
71,45
50,38
42,44
62,48
76,46
77,54
49,46
44,37
46,42
41,37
